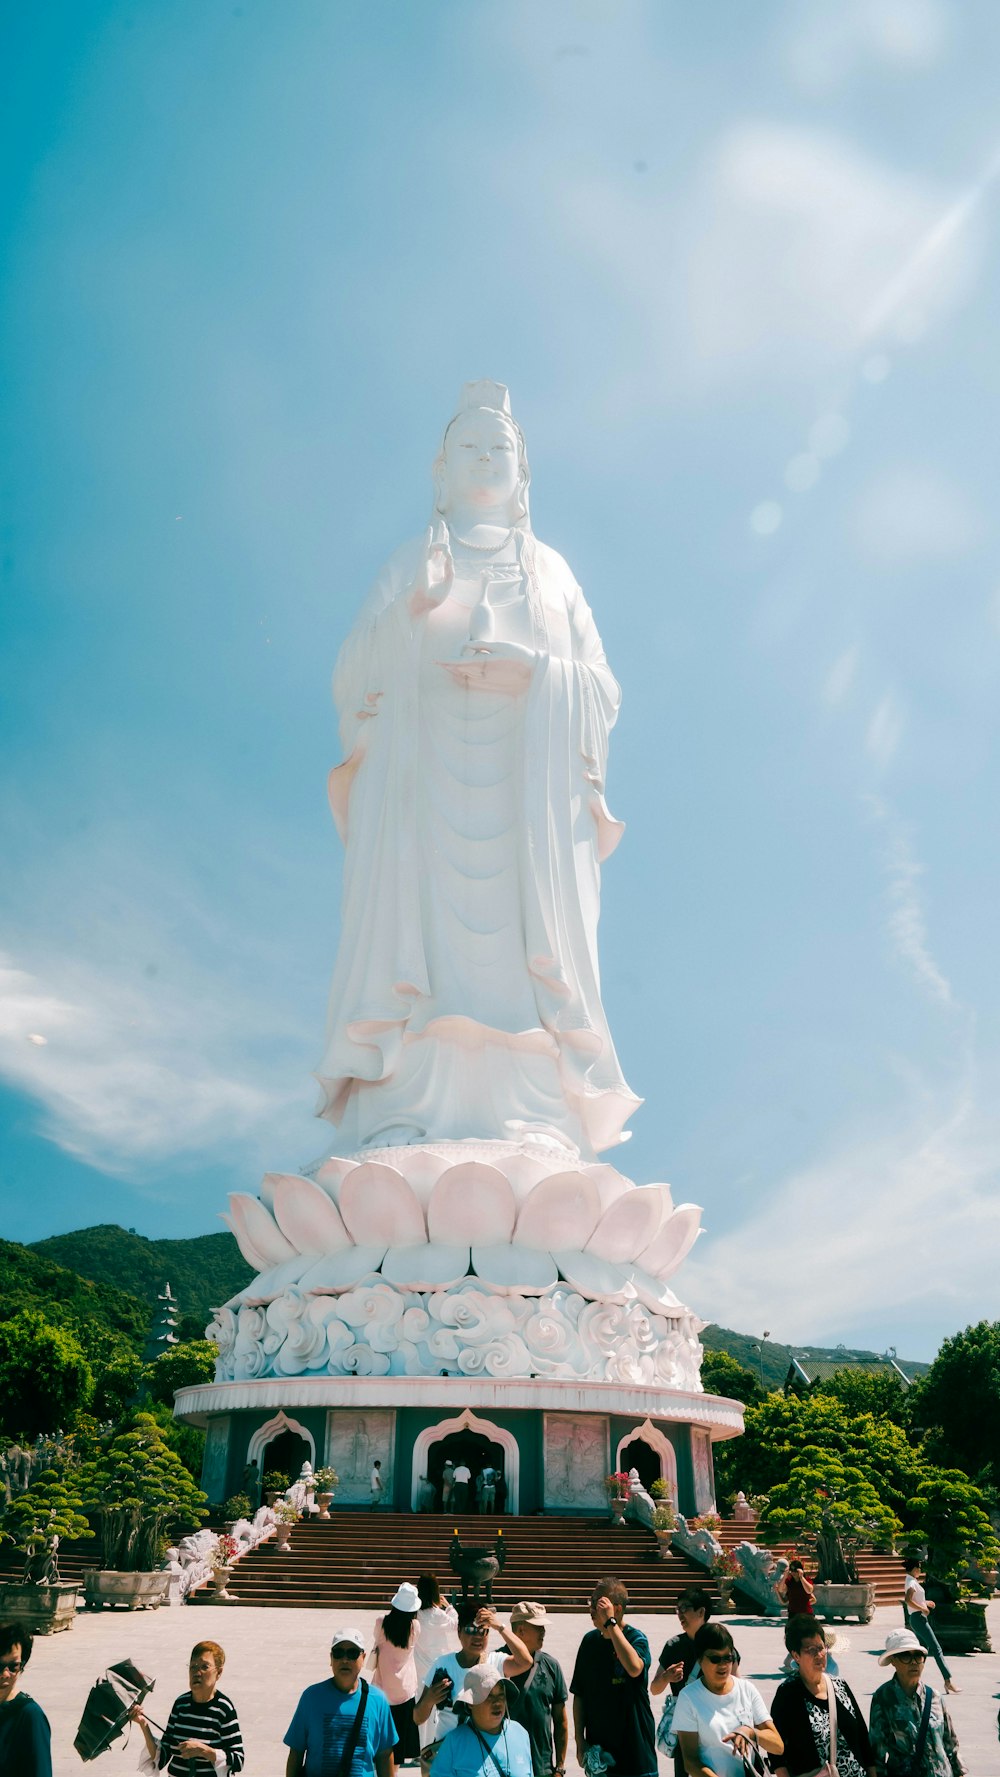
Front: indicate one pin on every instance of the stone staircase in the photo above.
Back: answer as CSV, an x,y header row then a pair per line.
x,y
884,1572
358,1559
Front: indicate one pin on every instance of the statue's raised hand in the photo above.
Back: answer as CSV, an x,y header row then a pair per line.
x,y
433,579
495,666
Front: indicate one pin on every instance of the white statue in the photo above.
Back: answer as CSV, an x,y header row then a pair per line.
x,y
475,707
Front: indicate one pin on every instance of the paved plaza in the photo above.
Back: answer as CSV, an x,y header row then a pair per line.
x,y
273,1654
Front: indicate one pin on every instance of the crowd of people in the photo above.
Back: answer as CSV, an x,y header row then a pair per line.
x,y
425,1688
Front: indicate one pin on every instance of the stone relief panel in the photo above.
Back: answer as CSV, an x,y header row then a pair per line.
x,y
213,1467
353,1441
704,1474
576,1460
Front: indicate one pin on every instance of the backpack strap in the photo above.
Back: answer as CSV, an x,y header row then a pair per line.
x,y
351,1743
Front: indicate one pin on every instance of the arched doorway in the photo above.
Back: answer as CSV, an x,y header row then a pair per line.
x,y
639,1455
506,1455
477,1451
649,1450
282,1445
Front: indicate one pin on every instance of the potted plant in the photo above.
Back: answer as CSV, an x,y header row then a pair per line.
x,y
616,1488
236,1510
326,1480
709,1521
948,1517
273,1484
285,1516
137,1489
225,1550
36,1521
727,1569
832,1511
664,1525
660,1488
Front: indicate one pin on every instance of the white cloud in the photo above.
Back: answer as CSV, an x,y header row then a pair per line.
x,y
907,1223
910,514
825,41
885,731
907,925
841,676
125,1076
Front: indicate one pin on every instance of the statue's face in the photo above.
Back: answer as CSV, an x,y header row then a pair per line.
x,y
481,466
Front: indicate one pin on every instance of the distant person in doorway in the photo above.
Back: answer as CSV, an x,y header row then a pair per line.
x,y
678,1658
25,1736
250,1484
202,1736
488,1488
538,1697
340,1713
376,1485
463,1475
916,1615
447,1484
394,1644
611,1706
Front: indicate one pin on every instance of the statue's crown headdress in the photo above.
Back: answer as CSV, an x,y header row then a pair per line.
x,y
484,393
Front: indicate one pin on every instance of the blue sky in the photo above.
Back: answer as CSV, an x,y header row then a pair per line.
x,y
738,266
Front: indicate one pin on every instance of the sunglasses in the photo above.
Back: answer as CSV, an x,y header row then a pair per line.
x,y
345,1653
720,1659
911,1658
11,1665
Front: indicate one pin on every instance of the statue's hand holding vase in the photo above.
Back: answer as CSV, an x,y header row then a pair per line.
x,y
494,666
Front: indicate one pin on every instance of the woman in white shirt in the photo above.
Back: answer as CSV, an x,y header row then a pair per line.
x,y
438,1622
718,1716
916,1615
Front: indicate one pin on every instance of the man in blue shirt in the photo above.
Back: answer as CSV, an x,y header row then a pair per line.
x,y
610,1698
326,1713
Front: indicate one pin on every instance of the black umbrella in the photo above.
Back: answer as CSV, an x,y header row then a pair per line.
x,y
106,1711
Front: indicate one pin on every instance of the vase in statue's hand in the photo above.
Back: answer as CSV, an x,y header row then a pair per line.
x,y
494,666
435,576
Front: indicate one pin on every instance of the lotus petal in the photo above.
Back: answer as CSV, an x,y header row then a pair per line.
x,y
472,1202
425,1267
674,1241
331,1175
252,1222
257,1259
653,1294
266,1192
306,1216
593,1277
611,1183
422,1168
565,1206
379,1207
515,1268
524,1172
273,1282
628,1225
341,1271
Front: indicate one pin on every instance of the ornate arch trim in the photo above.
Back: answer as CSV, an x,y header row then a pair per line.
x,y
468,1421
657,1440
266,1434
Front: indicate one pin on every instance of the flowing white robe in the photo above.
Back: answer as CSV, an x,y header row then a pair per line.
x,y
466,994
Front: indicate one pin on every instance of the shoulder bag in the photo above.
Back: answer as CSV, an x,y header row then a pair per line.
x,y
925,1722
830,1767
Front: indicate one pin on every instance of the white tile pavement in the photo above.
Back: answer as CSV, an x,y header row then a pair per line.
x,y
273,1654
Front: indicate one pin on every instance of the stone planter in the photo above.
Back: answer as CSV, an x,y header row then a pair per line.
x,y
136,1591
220,1579
962,1629
837,1602
617,1509
42,1609
282,1533
323,1501
664,1538
725,1590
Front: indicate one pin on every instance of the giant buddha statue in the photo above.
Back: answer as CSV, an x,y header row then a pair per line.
x,y
475,707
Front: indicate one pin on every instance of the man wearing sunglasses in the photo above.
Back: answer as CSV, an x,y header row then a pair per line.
x,y
342,1727
25,1739
911,1732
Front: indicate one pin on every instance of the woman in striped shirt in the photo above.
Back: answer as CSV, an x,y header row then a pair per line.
x,y
202,1736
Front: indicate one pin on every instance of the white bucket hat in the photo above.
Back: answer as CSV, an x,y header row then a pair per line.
x,y
479,1683
406,1598
900,1641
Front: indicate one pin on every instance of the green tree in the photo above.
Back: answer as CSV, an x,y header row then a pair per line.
x,y
781,1427
186,1441
139,1490
958,1403
48,1509
182,1366
862,1391
831,1507
948,1515
44,1377
117,1382
725,1375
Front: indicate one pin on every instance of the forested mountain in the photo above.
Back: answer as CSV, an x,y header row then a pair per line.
x,y
30,1279
203,1272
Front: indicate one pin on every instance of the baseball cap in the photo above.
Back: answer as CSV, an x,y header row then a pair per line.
x,y
479,1683
349,1633
900,1641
